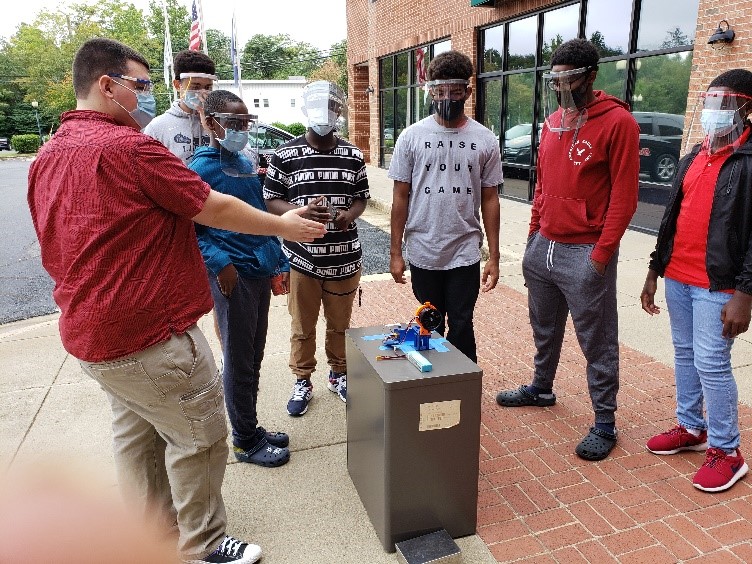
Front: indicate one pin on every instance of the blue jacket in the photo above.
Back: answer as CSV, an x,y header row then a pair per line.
x,y
254,256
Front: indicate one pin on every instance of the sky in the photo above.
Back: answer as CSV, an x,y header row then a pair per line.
x,y
318,22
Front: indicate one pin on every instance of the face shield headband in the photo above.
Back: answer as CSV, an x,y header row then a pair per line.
x,y
322,105
564,98
447,97
236,158
195,97
719,118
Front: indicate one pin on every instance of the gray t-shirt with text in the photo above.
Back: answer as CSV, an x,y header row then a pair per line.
x,y
446,169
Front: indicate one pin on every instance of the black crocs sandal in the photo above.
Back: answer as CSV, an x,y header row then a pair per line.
x,y
522,398
263,454
596,445
277,439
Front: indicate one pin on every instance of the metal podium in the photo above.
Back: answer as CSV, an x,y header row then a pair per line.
x,y
413,439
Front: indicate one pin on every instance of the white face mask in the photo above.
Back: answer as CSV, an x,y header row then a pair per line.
x,y
321,120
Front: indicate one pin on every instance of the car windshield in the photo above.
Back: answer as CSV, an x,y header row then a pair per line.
x,y
518,130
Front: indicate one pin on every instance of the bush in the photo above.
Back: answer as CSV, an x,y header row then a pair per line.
x,y
25,143
297,128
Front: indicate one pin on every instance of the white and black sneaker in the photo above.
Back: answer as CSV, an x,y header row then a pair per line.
x,y
338,384
233,551
302,393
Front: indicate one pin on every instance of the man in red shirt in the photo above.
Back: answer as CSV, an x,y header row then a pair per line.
x,y
704,252
114,210
585,197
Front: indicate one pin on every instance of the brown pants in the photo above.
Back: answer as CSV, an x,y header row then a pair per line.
x,y
307,294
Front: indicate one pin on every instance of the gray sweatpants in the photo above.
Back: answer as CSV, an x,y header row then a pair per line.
x,y
560,280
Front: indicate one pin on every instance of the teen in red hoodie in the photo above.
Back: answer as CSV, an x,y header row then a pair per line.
x,y
585,197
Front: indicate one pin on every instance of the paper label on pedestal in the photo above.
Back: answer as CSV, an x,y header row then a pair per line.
x,y
439,415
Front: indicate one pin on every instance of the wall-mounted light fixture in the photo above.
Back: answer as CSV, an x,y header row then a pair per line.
x,y
722,37
369,90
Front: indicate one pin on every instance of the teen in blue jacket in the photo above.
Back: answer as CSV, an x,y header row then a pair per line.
x,y
240,268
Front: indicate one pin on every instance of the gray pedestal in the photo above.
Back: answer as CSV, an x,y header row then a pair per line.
x,y
413,440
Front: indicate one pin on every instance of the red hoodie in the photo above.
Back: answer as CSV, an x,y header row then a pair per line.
x,y
586,189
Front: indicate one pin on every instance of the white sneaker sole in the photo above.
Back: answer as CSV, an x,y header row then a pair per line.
x,y
697,448
734,479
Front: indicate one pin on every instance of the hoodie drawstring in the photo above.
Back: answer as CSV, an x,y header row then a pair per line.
x,y
550,256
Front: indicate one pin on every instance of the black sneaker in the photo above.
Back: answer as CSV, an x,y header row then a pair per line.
x,y
233,551
302,393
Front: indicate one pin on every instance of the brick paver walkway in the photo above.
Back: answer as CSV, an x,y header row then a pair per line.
x,y
538,501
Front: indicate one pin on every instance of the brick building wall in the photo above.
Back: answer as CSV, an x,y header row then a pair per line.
x,y
382,27
376,29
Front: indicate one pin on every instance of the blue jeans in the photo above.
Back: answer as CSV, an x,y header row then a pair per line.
x,y
702,363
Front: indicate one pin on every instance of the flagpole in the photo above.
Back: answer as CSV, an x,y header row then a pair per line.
x,y
202,27
169,69
235,56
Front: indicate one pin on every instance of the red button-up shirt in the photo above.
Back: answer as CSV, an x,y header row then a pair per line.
x,y
112,209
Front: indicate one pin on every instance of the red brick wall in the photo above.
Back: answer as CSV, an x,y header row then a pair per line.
x,y
376,29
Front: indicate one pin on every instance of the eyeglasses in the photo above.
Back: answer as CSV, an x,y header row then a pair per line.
x,y
143,85
722,100
565,80
237,122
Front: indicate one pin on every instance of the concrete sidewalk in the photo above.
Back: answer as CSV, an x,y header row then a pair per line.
x,y
538,502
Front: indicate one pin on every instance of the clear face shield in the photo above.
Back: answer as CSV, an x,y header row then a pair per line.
x,y
447,97
233,131
322,105
195,87
564,98
718,119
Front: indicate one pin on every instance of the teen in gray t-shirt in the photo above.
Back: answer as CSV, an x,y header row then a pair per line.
x,y
446,170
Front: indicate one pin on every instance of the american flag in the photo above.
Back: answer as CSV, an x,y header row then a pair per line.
x,y
420,65
194,43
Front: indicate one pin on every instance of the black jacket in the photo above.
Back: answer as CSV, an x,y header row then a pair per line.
x,y
728,259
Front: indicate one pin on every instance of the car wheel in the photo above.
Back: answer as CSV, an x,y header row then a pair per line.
x,y
664,168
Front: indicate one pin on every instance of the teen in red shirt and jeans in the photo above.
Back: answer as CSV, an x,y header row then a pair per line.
x,y
114,210
705,254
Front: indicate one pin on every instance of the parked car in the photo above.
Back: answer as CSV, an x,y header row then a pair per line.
x,y
4,144
517,143
660,143
267,138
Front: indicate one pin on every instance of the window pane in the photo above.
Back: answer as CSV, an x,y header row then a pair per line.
x,y
387,126
493,47
667,24
607,25
659,105
559,26
522,38
519,119
442,46
421,103
387,66
516,182
611,78
400,111
492,106
402,75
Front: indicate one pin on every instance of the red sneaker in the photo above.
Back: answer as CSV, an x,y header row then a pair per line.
x,y
720,471
677,440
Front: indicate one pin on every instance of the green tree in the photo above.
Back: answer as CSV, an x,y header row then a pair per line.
x,y
270,57
218,47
